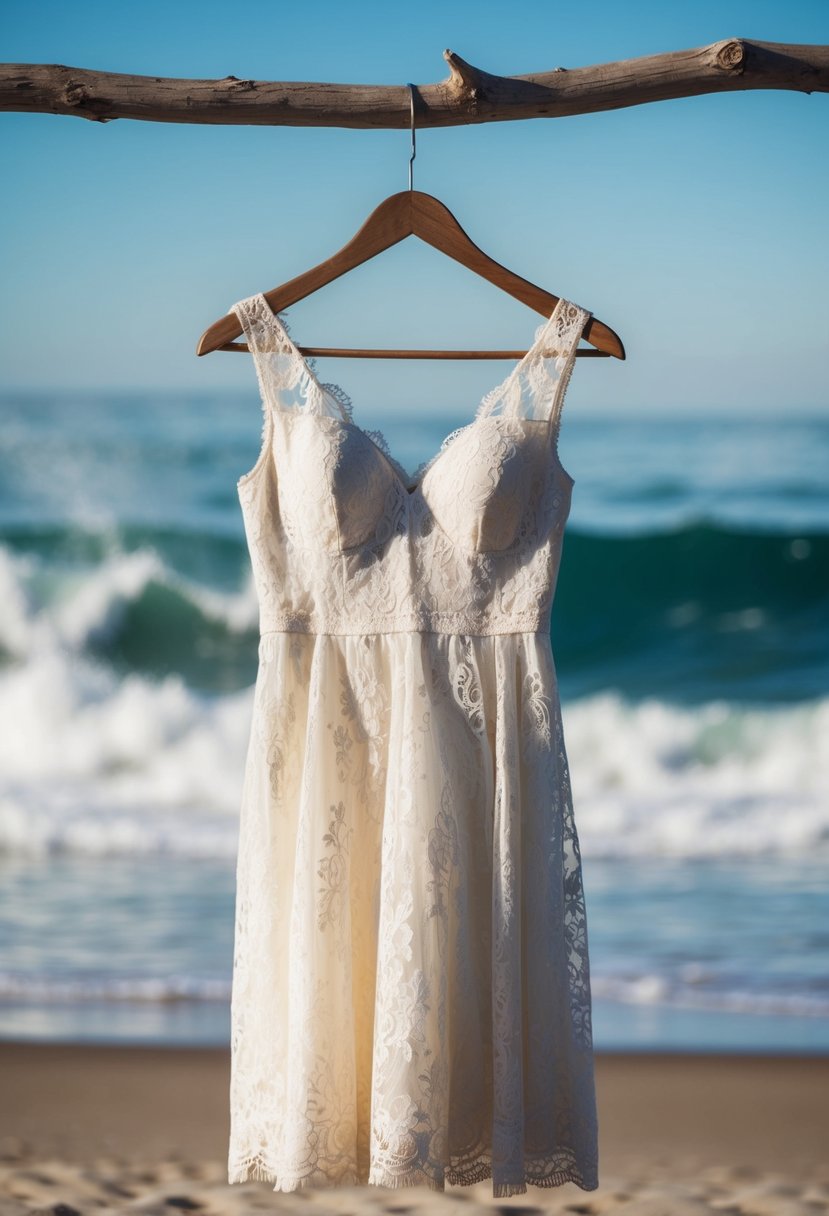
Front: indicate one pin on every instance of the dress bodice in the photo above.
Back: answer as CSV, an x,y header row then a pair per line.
x,y
343,541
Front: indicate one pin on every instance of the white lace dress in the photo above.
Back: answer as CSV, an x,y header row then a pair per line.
x,y
411,990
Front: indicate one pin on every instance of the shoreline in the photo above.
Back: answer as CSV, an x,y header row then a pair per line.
x,y
686,1129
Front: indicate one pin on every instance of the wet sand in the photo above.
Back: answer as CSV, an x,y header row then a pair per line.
x,y
144,1129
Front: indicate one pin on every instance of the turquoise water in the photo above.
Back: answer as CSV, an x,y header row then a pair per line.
x,y
690,630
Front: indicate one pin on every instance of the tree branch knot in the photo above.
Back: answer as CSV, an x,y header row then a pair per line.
x,y
732,55
466,83
233,82
74,93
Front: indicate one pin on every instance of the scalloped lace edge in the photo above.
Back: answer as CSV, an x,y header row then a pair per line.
x,y
462,1175
564,360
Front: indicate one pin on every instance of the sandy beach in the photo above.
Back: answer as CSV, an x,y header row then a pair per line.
x,y
122,1129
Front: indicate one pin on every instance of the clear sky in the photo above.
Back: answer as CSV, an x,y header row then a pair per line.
x,y
696,228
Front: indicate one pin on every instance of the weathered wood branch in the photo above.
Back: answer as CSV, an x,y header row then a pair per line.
x,y
468,95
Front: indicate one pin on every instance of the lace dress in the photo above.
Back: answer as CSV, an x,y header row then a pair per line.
x,y
411,990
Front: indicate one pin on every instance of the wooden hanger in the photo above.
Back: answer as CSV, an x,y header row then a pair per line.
x,y
409,213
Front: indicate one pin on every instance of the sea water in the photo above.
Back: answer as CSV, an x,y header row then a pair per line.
x,y
691,636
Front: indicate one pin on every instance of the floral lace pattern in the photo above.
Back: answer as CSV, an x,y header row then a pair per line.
x,y
411,988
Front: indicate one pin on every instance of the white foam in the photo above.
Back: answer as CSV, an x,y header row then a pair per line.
x,y
15,608
89,607
49,990
652,779
96,765
93,763
93,610
657,990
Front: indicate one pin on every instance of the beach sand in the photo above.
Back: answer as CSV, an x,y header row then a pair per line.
x,y
144,1129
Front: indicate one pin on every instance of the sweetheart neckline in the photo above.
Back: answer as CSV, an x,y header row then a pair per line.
x,y
411,482
416,485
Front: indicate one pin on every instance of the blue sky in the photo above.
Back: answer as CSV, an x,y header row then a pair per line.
x,y
696,228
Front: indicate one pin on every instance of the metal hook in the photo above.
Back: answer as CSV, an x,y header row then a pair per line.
x,y
410,87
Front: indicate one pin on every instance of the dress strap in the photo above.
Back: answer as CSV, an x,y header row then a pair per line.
x,y
277,370
534,389
256,339
288,380
570,321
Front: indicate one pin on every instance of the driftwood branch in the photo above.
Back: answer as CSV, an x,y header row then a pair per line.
x,y
468,95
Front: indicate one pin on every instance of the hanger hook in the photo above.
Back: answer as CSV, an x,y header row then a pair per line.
x,y
410,87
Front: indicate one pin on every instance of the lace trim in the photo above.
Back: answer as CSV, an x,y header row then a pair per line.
x,y
329,391
379,440
269,340
533,377
565,324
335,391
425,465
576,318
556,1170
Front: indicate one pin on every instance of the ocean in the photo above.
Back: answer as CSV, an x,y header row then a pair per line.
x,y
691,639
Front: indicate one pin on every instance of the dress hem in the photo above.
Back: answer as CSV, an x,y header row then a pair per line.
x,y
258,1171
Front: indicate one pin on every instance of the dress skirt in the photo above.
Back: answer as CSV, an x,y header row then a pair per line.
x,y
411,987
